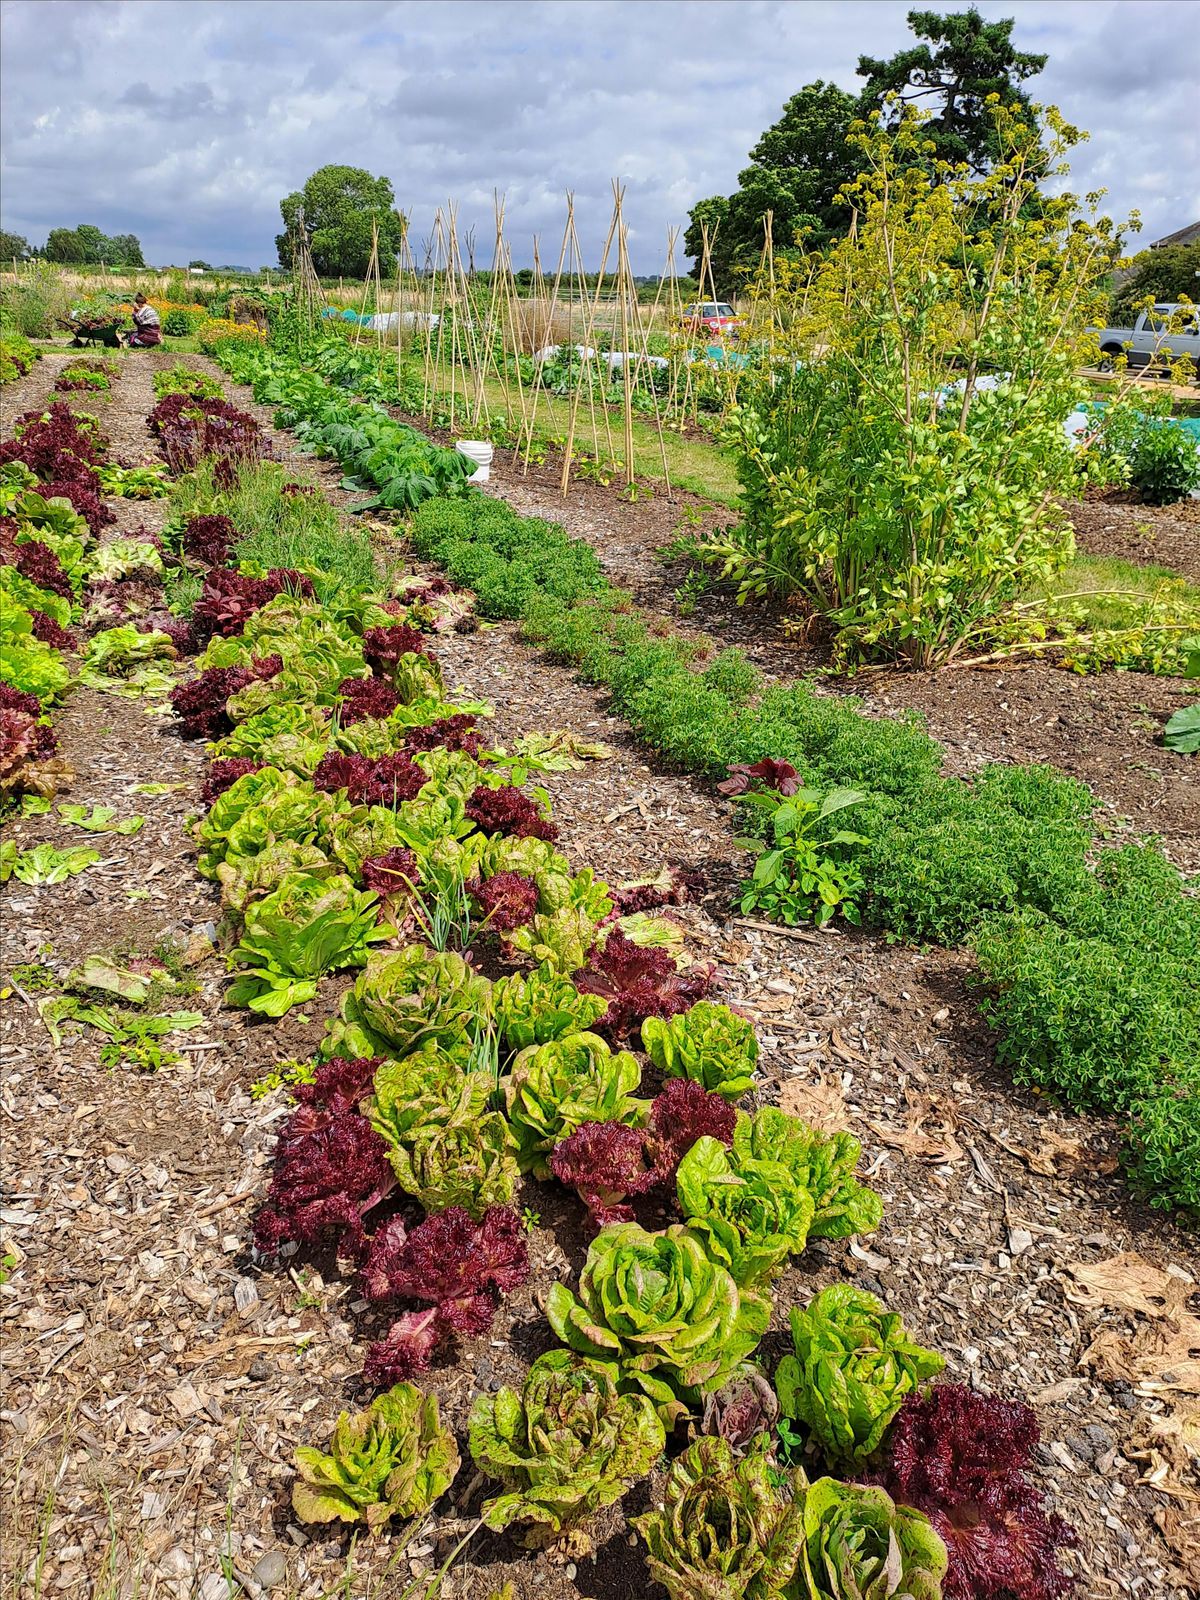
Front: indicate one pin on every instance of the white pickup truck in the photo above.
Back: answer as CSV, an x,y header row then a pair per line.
x,y
1150,340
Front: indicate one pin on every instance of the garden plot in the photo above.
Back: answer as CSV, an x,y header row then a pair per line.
x,y
231,1365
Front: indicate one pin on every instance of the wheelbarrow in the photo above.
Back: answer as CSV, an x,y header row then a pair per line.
x,y
92,330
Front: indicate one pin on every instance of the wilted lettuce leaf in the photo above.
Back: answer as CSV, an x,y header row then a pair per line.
x,y
728,1528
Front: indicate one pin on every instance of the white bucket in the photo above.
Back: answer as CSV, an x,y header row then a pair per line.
x,y
480,453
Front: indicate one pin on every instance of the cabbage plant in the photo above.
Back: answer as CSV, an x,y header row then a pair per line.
x,y
749,1214
728,1528
852,1367
569,1443
659,1305
392,1460
859,1545
708,1043
555,1088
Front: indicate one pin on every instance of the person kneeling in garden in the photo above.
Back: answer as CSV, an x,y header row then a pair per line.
x,y
147,329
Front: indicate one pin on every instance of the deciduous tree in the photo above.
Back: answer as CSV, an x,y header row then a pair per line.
x,y
337,205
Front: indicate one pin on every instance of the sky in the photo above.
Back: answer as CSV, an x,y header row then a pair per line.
x,y
186,121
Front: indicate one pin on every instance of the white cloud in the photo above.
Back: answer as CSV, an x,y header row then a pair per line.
x,y
185,121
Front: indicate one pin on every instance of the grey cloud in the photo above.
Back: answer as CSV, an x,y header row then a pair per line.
x,y
185,121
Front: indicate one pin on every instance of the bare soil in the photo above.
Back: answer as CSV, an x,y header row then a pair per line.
x,y
151,1359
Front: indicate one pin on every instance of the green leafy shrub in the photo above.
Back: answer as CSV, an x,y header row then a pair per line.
x,y
908,504
708,1043
1164,464
180,323
569,1443
392,1460
806,867
657,1304
852,1366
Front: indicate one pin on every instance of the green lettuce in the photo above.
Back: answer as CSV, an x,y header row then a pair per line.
x,y
259,809
116,649
246,878
659,1305
534,1007
825,1166
25,662
709,1043
858,1545
751,1215
852,1368
303,929
430,1088
406,997
357,832
568,1444
121,558
729,1528
555,1088
18,591
291,737
560,940
392,1460
468,1164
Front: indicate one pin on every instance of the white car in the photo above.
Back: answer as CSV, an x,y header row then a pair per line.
x,y
1150,339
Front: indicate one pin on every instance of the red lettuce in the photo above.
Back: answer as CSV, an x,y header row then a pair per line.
x,y
52,633
390,873
18,700
331,1168
339,1085
457,1266
670,888
209,539
681,1114
366,697
22,739
383,647
229,599
639,983
191,427
200,703
508,811
223,775
388,781
606,1162
52,444
963,1458
451,733
37,562
507,899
